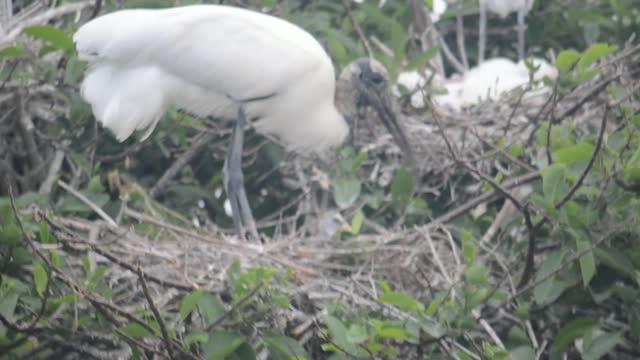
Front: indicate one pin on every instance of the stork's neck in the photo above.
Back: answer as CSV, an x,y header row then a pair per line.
x,y
346,98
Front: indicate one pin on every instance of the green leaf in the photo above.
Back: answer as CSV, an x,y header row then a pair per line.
x,y
436,302
401,188
39,278
602,345
477,275
468,247
571,331
338,332
401,300
346,191
579,153
45,234
74,70
95,185
546,205
394,333
338,51
285,348
356,223
196,338
566,59
418,61
432,327
616,260
357,334
96,276
632,167
221,344
12,51
189,303
550,289
516,150
135,330
210,308
55,37
587,260
553,182
594,53
8,304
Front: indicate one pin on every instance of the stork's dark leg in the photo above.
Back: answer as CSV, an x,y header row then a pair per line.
x,y
482,35
234,180
521,28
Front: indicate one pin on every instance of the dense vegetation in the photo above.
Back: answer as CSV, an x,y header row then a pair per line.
x,y
517,237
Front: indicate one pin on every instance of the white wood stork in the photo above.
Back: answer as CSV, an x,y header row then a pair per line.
x,y
503,8
226,62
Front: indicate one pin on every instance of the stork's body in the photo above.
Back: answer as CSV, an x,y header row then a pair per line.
x,y
208,60
224,62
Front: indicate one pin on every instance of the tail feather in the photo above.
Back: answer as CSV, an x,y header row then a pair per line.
x,y
126,99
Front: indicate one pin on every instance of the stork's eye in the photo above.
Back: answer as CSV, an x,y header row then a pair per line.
x,y
376,78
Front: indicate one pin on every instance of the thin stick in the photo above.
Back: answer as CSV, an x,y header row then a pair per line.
x,y
87,202
356,26
156,313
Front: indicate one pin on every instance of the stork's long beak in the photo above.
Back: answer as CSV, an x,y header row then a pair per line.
x,y
379,99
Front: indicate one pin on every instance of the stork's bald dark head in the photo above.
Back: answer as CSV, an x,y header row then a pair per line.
x,y
364,83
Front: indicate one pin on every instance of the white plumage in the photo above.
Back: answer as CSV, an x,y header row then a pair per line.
x,y
206,60
505,7
488,81
439,8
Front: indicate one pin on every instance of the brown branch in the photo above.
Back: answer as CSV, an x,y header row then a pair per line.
x,y
199,143
592,160
356,26
156,314
484,198
236,306
26,130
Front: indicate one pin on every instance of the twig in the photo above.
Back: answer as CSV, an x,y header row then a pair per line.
x,y
198,144
449,55
502,152
356,26
592,160
6,10
427,34
486,197
87,202
96,9
26,130
236,306
156,314
42,18
56,164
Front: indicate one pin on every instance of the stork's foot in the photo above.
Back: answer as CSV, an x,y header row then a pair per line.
x,y
240,210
